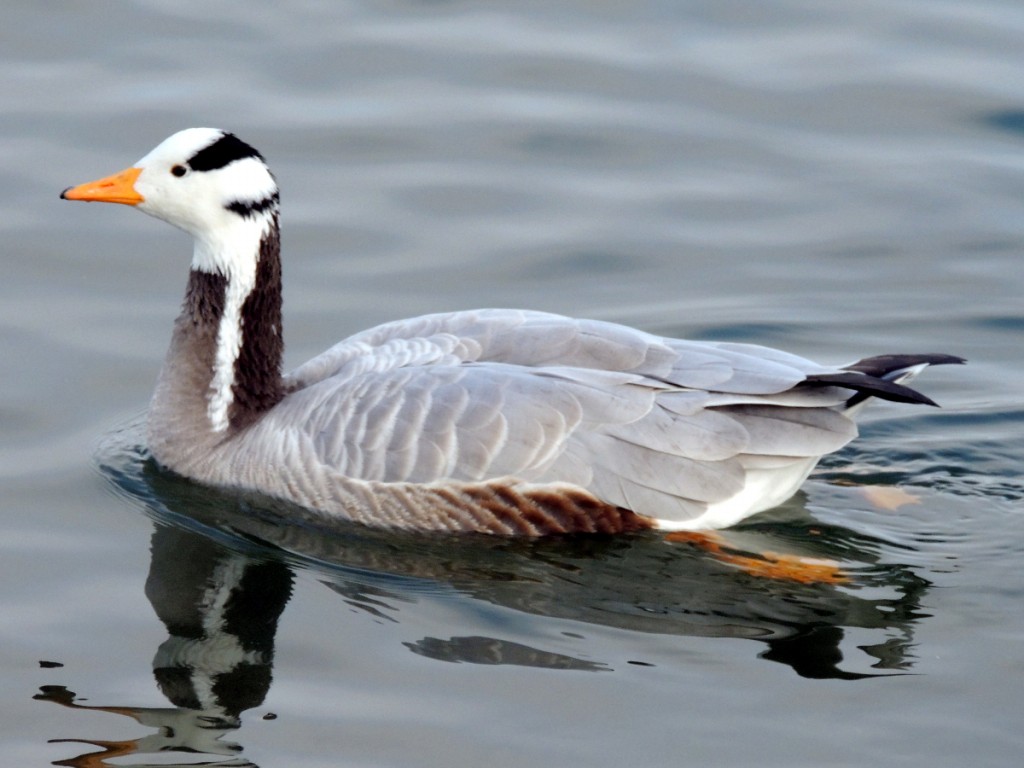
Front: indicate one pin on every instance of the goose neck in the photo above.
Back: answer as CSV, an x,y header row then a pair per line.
x,y
225,359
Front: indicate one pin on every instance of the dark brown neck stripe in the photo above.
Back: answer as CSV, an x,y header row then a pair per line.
x,y
257,386
204,298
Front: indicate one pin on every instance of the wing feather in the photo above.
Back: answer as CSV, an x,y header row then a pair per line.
x,y
467,422
777,431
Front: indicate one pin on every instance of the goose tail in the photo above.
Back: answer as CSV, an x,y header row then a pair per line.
x,y
884,377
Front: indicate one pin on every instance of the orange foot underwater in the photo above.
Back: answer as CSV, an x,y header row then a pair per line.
x,y
769,565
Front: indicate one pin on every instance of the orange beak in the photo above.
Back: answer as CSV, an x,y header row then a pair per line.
x,y
119,188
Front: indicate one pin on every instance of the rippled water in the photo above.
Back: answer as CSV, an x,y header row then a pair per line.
x,y
833,180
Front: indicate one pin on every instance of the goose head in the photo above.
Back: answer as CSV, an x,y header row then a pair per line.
x,y
205,181
217,188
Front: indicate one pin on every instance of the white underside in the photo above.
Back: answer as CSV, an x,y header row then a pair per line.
x,y
763,490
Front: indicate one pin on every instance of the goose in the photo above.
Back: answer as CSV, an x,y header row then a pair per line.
x,y
500,421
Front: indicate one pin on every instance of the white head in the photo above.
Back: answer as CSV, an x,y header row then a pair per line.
x,y
202,180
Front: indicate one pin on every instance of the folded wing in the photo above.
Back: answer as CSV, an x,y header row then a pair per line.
x,y
663,427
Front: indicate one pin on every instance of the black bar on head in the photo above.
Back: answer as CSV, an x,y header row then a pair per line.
x,y
226,150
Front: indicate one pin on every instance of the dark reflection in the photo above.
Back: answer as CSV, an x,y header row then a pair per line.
x,y
1009,120
489,650
220,608
221,576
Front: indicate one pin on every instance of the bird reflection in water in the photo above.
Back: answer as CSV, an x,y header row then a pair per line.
x,y
221,575
221,610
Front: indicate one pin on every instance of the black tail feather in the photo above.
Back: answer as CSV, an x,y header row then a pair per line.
x,y
883,365
872,377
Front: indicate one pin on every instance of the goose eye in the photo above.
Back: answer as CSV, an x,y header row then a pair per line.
x,y
179,171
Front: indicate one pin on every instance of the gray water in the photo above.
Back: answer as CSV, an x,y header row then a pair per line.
x,y
833,179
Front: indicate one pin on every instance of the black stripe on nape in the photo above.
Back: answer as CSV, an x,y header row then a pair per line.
x,y
250,208
224,151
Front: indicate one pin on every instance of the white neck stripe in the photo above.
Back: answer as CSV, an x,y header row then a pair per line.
x,y
229,345
236,258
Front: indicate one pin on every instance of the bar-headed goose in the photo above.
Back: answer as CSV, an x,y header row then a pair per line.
x,y
495,420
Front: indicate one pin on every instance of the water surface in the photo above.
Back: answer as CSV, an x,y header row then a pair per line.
x,y
834,181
